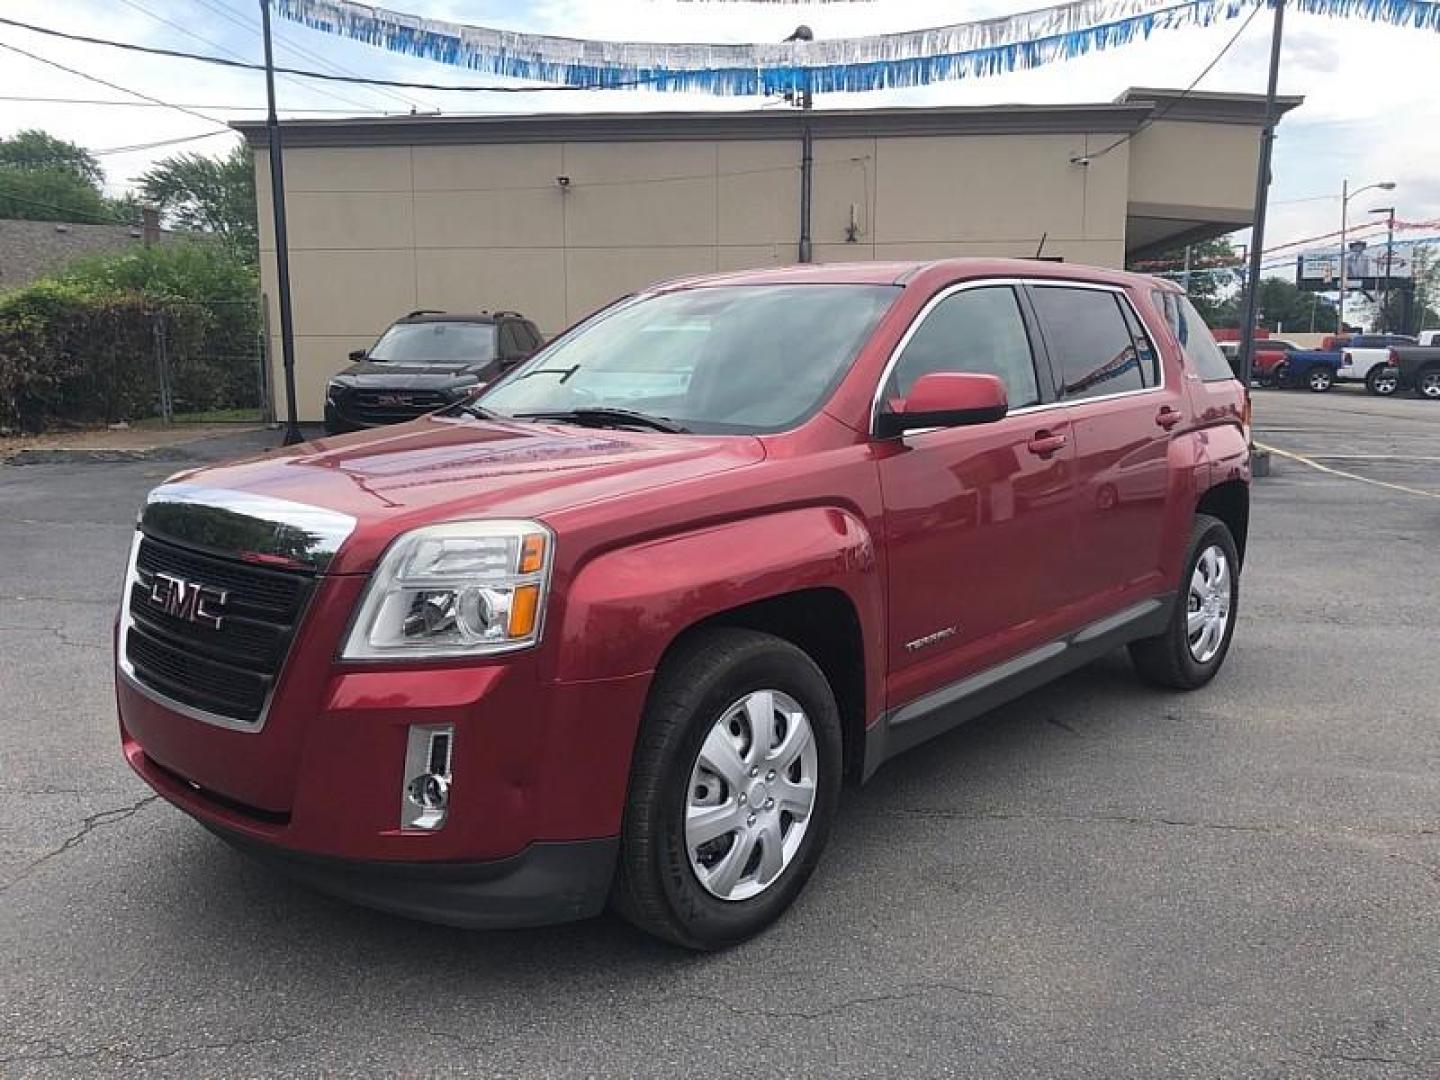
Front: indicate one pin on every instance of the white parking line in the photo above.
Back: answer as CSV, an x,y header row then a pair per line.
x,y
1347,475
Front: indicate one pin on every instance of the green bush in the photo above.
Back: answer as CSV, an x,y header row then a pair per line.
x,y
86,346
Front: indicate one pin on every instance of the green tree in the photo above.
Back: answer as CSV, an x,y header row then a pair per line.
x,y
1282,307
1391,311
204,194
51,195
1214,268
33,150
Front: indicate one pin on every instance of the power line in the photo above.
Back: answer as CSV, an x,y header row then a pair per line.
x,y
223,9
40,100
114,86
79,216
226,49
364,80
1165,109
158,143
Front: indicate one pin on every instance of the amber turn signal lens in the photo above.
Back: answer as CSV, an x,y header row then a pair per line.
x,y
532,553
524,605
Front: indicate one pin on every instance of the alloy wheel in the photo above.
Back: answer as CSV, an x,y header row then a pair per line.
x,y
1429,384
1385,384
751,795
1208,606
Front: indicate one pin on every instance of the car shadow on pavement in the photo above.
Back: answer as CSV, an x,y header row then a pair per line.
x,y
262,906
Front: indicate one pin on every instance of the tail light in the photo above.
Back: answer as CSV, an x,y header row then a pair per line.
x,y
1393,359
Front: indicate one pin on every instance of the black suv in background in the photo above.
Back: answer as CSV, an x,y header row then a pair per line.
x,y
423,362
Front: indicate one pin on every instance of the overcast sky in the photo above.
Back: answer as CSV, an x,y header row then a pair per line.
x,y
1369,89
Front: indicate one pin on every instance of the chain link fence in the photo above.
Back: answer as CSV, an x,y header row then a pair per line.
x,y
73,361
210,362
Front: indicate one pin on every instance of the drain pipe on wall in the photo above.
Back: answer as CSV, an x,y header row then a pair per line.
x,y
807,169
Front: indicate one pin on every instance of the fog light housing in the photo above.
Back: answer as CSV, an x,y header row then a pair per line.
x,y
425,791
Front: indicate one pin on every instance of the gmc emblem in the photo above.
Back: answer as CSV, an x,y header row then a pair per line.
x,y
188,600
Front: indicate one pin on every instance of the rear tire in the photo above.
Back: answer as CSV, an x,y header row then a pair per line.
x,y
1382,381
1193,645
1319,379
700,756
1427,383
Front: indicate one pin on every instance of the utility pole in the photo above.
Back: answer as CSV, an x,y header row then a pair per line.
x,y
1262,199
804,99
1389,255
282,246
1344,280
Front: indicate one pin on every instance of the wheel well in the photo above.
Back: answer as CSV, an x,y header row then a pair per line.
x,y
1230,502
823,623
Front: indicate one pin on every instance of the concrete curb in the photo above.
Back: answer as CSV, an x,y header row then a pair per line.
x,y
58,455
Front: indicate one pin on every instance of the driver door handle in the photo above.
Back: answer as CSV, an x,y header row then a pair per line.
x,y
1167,417
1044,443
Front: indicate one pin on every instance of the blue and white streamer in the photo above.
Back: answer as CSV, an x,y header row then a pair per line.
x,y
964,50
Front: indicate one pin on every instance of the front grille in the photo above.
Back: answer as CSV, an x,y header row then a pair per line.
x,y
228,670
391,406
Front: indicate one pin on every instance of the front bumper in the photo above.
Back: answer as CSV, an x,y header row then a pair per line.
x,y
545,883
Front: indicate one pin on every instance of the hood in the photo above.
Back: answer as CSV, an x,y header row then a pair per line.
x,y
438,468
386,376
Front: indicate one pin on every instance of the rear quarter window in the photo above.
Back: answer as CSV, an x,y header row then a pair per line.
x,y
1202,355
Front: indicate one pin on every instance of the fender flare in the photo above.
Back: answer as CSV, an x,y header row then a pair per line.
x,y
624,607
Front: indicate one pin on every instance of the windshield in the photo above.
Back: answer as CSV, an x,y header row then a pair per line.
x,y
443,344
724,359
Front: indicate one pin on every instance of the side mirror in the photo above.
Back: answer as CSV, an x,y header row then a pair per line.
x,y
356,355
946,399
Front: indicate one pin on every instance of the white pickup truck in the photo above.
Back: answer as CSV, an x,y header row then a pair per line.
x,y
1366,358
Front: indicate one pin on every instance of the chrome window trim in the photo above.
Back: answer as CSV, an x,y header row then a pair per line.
x,y
1016,282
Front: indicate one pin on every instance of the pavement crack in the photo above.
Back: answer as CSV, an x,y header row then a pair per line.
x,y
246,1042
87,826
918,990
1055,721
58,634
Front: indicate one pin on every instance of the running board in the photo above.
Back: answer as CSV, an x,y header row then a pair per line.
x,y
899,729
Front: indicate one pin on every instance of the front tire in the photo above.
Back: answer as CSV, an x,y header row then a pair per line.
x,y
1319,379
733,789
1190,650
1382,381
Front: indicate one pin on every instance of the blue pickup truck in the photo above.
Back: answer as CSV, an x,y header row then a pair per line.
x,y
1281,363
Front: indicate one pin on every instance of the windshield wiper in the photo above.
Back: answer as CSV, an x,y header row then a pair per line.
x,y
607,417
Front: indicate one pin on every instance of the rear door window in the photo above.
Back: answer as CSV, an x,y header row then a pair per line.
x,y
1202,355
1090,343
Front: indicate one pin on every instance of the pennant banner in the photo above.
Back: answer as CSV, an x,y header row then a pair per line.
x,y
963,50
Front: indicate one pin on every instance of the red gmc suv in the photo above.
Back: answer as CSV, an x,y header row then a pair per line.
x,y
618,628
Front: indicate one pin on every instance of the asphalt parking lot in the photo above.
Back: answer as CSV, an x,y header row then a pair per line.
x,y
1100,880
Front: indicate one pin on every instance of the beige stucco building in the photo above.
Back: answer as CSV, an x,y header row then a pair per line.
x,y
554,215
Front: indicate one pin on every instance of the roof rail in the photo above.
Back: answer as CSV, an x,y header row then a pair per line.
x,y
425,311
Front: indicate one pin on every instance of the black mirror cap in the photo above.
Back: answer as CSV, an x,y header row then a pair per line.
x,y
891,425
357,355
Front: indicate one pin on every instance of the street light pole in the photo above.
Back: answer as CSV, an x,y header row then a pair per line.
x,y
1262,199
282,246
1389,211
1345,196
1344,281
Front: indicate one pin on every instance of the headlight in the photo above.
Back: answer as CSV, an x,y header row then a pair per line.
x,y
334,390
467,588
